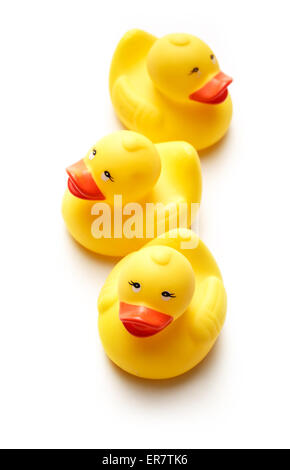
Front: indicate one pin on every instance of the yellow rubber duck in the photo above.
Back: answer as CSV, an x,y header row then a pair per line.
x,y
122,179
162,308
170,88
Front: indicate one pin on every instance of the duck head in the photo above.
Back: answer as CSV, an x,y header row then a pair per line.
x,y
155,287
184,68
123,163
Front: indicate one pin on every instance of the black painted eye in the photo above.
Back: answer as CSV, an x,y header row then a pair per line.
x,y
195,70
136,287
92,154
167,295
106,175
213,58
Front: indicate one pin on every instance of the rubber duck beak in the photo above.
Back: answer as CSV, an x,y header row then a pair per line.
x,y
213,92
142,321
81,183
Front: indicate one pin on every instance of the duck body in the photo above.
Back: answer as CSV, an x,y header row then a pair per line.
x,y
144,105
175,183
151,346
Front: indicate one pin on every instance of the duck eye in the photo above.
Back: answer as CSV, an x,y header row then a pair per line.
x,y
213,58
92,154
167,295
106,175
195,70
136,287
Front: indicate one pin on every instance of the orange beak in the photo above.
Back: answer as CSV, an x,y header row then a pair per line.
x,y
142,321
81,183
213,92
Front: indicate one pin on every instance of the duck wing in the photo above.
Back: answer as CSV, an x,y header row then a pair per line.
x,y
180,179
133,110
133,47
209,309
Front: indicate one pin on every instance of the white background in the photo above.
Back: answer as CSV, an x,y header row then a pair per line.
x,y
57,387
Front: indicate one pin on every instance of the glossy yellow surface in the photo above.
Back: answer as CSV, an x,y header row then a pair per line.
x,y
198,310
150,84
167,173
